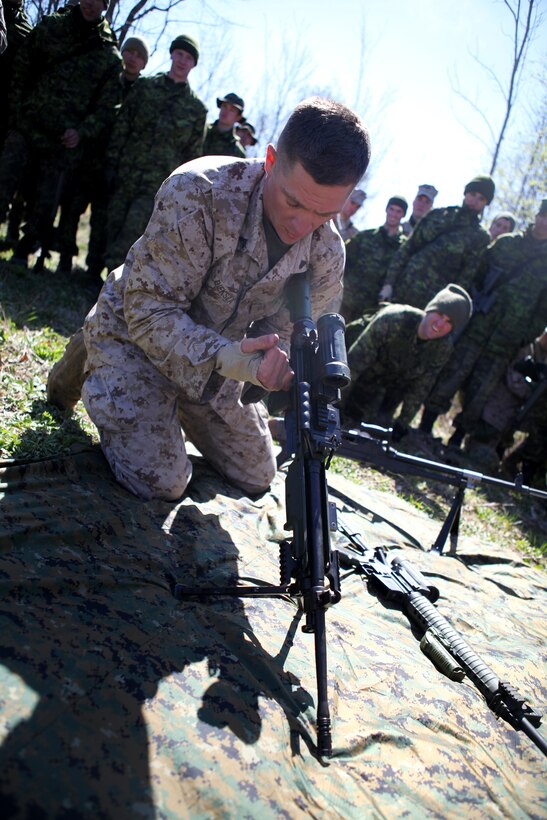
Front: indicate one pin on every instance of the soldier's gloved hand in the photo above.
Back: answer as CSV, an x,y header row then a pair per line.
x,y
385,294
259,361
399,431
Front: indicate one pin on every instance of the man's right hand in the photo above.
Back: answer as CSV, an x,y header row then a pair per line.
x,y
274,371
385,294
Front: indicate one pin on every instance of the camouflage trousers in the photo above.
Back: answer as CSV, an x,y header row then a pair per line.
x,y
143,422
475,371
126,222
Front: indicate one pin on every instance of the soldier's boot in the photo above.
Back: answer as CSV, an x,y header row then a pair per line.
x,y
66,377
455,440
64,268
429,417
26,245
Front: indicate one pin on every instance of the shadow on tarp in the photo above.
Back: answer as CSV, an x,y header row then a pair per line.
x,y
90,626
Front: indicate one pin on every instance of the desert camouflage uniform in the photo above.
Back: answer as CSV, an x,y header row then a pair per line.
x,y
198,276
389,363
66,75
492,339
367,259
446,246
160,126
222,143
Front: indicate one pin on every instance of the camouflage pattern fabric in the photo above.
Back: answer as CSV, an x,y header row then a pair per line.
x,y
161,126
492,339
222,143
368,256
446,246
389,362
18,26
120,701
65,75
345,228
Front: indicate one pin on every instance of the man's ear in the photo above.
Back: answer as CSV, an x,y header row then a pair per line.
x,y
271,158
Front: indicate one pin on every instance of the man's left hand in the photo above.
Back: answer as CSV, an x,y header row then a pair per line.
x,y
274,371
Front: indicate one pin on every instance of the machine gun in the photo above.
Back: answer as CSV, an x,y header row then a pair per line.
x,y
371,444
396,580
308,567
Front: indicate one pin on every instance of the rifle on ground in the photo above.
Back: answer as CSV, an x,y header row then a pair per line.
x,y
309,567
398,581
371,444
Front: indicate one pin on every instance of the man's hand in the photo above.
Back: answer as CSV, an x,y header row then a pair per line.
x,y
70,138
274,371
385,294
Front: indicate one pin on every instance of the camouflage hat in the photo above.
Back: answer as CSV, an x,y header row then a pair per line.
x,y
483,184
454,302
358,196
400,201
543,207
137,44
232,99
186,43
427,190
246,126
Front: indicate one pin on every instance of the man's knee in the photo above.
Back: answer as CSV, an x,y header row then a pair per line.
x,y
146,481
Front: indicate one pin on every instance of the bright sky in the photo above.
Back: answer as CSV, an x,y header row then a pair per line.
x,y
414,55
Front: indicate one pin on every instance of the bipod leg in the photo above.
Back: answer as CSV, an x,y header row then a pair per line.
x,y
451,525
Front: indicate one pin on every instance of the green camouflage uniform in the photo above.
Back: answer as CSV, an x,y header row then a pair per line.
x,y
446,246
492,339
18,27
222,143
198,276
367,259
66,75
390,364
160,126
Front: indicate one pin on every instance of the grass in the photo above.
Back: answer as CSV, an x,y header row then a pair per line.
x,y
39,312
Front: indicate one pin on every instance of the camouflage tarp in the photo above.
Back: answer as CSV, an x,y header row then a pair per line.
x,y
119,701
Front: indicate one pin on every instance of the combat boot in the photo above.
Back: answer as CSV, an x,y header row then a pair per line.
x,y
66,377
64,268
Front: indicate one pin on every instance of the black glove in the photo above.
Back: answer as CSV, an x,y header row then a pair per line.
x,y
398,432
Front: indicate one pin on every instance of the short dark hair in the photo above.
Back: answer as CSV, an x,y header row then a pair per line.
x,y
328,139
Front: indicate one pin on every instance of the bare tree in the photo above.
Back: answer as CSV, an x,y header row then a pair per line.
x,y
526,20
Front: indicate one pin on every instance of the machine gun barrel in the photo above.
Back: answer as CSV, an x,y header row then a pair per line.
x,y
371,444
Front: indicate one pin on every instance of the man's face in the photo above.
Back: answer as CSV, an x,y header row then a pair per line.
x,y
246,138
294,203
539,230
421,206
133,62
182,63
434,325
475,201
350,209
228,115
499,226
394,214
91,10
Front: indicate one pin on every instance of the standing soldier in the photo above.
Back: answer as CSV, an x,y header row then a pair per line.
x,y
504,319
422,204
161,126
66,92
88,184
367,259
221,138
344,223
446,246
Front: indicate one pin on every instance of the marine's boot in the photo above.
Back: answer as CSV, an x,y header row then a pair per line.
x,y
66,377
64,268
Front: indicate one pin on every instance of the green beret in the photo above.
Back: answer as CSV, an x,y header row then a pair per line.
x,y
186,43
483,184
